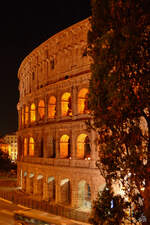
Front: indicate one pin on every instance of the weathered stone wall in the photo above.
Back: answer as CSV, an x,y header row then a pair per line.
x,y
56,67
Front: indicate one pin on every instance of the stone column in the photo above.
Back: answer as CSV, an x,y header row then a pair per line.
x,y
94,153
74,194
74,101
57,146
45,189
57,190
58,106
73,146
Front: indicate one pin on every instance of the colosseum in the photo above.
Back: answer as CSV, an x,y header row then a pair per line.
x,y
57,153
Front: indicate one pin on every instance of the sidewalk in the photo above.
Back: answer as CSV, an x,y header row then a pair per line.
x,y
16,196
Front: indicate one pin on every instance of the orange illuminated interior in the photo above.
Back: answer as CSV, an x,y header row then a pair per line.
x,y
26,114
64,141
25,147
32,113
66,109
80,146
82,101
31,146
41,109
52,107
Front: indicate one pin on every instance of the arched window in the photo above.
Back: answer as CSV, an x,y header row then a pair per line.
x,y
83,101
32,113
83,147
25,147
41,109
65,147
52,107
65,194
31,146
26,115
51,188
84,195
66,104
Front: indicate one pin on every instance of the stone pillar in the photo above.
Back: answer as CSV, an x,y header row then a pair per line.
x,y
57,191
57,146
58,106
74,194
73,146
28,184
94,153
45,145
45,189
74,101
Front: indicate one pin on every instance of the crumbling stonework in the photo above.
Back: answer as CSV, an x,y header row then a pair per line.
x,y
57,154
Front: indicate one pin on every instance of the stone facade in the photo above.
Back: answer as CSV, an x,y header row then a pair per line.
x,y
57,153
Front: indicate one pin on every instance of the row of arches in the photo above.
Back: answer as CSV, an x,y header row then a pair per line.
x,y
33,113
52,190
83,149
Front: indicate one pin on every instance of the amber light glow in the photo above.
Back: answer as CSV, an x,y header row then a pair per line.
x,y
52,107
41,109
83,101
66,104
64,142
31,146
32,113
80,146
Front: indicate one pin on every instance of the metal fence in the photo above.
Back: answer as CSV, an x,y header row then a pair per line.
x,y
19,198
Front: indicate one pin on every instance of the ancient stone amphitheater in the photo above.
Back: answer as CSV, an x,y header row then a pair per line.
x,y
57,153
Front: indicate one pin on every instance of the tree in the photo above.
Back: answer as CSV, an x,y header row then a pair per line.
x,y
119,95
108,209
5,162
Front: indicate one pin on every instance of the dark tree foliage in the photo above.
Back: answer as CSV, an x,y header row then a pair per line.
x,y
5,162
119,96
108,207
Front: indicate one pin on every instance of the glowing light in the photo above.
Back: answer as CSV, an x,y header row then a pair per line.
x,y
32,113
31,146
52,107
82,101
66,108
80,146
41,109
64,142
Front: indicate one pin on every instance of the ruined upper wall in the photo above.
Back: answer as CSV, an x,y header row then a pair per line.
x,y
60,56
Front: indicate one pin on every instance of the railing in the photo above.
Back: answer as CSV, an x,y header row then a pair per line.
x,y
79,163
27,201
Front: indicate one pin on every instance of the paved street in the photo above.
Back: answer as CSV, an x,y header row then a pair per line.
x,y
6,212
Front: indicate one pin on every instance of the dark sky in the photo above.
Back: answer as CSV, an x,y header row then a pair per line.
x,y
22,28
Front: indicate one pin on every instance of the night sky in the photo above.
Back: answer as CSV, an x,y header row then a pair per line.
x,y
23,28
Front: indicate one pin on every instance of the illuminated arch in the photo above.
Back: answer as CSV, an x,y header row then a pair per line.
x,y
51,188
65,195
32,113
64,146
26,115
83,101
84,195
52,107
25,147
66,104
41,109
31,146
83,147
